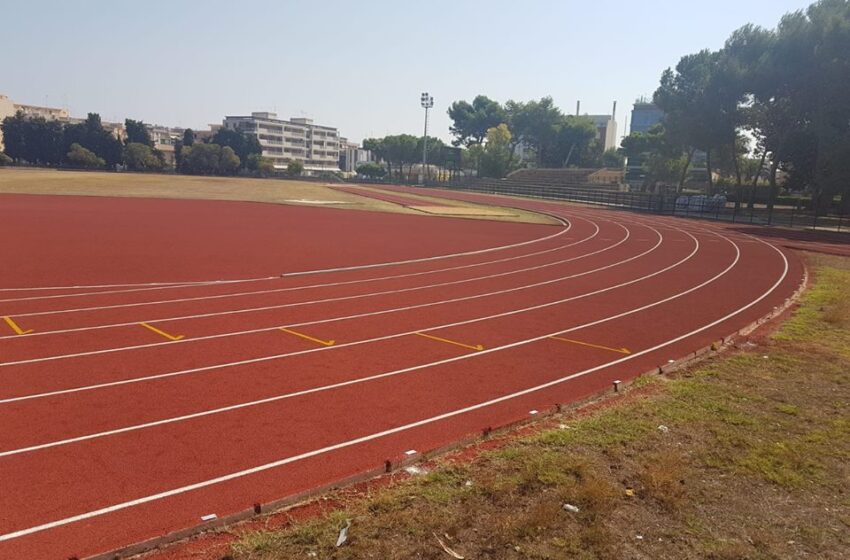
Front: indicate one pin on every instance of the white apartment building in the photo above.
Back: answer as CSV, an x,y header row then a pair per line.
x,y
296,139
351,155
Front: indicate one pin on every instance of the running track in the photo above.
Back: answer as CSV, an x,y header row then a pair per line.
x,y
115,434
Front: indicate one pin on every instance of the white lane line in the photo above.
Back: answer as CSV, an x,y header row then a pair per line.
x,y
339,318
377,435
302,303
563,222
345,345
134,290
309,286
355,381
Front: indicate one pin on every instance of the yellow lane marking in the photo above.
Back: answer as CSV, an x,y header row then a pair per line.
x,y
15,327
163,333
304,336
477,347
618,350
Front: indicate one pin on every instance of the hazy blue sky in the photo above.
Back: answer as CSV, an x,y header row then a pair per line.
x,y
359,66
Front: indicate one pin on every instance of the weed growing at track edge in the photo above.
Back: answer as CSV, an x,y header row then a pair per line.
x,y
743,456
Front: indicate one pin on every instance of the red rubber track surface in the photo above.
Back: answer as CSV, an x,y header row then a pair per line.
x,y
113,434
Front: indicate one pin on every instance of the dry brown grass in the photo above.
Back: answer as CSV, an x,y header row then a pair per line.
x,y
142,185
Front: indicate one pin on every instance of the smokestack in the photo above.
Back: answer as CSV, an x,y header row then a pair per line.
x,y
614,112
578,106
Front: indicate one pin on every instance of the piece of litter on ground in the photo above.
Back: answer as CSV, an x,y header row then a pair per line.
x,y
343,534
468,483
209,517
765,357
446,549
415,470
532,412
664,429
563,427
630,491
639,537
410,452
670,361
571,507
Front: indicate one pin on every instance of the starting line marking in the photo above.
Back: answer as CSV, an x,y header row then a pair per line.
x,y
477,347
571,341
304,336
163,333
15,327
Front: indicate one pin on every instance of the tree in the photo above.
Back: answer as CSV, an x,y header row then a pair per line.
x,y
261,166
496,157
294,168
209,159
371,169
140,157
34,140
91,135
574,144
613,159
242,144
79,156
379,150
188,137
660,159
137,133
471,122
537,124
5,160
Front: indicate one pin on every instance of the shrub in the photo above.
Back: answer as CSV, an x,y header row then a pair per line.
x,y
81,157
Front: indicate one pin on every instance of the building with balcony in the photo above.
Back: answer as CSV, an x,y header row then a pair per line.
x,y
351,155
9,108
298,139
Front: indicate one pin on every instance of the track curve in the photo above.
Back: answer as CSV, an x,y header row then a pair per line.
x,y
115,434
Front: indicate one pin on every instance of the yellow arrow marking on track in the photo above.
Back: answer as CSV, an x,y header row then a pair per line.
x,y
304,336
15,327
618,350
163,333
477,348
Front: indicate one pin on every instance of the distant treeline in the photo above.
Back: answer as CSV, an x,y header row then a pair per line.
x,y
88,145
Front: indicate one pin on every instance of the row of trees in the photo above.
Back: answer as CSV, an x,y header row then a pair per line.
x,y
89,145
401,150
770,100
549,138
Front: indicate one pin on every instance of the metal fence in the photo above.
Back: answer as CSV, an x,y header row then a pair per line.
x,y
666,204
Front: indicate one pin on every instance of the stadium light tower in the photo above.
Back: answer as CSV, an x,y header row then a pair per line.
x,y
427,102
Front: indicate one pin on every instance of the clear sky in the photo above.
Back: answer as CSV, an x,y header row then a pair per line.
x,y
359,66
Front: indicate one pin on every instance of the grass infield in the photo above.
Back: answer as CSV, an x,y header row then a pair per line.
x,y
150,185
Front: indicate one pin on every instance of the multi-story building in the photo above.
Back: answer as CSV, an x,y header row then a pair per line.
x,y
645,115
606,130
164,139
351,155
9,108
296,139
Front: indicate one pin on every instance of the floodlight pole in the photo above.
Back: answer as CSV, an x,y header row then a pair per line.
x,y
427,102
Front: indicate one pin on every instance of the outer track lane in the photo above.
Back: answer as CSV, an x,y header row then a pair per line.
x,y
527,364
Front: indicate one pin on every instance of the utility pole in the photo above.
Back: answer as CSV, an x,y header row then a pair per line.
x,y
427,101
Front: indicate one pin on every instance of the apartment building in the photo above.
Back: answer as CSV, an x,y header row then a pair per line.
x,y
9,108
351,155
297,139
